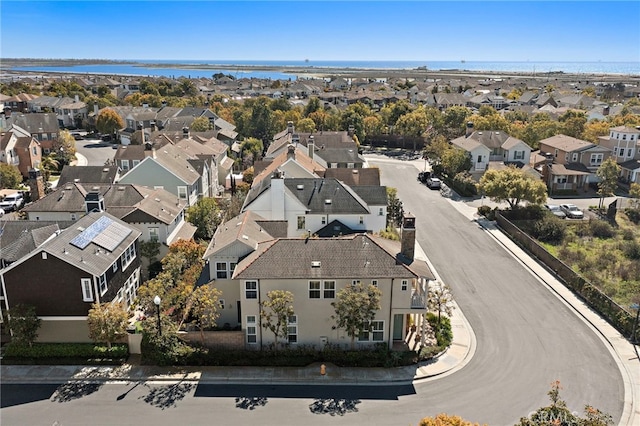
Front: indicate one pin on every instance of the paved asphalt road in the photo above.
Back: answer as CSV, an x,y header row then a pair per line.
x,y
95,151
526,338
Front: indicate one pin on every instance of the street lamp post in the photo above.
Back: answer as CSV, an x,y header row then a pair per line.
x,y
635,323
156,301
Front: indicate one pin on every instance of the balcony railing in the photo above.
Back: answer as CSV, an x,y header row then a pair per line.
x,y
418,300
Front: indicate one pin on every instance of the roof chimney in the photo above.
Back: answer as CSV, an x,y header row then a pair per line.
x,y
311,146
185,132
290,127
469,129
291,152
408,236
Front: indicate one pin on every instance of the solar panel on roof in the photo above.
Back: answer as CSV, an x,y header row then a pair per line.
x,y
112,236
84,238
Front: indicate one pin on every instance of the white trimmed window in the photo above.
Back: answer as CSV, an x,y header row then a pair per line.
x,y
314,289
135,163
103,284
329,289
182,192
301,222
124,164
128,256
381,211
292,329
404,285
251,289
518,155
115,266
374,283
154,234
596,159
372,332
221,303
221,270
252,332
87,291
355,282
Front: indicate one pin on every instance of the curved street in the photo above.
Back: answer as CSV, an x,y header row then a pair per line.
x,y
526,337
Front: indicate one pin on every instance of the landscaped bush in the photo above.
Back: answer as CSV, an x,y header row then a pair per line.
x,y
65,353
443,332
464,184
631,249
484,210
530,212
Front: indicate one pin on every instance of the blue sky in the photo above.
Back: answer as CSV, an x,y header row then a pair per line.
x,y
327,30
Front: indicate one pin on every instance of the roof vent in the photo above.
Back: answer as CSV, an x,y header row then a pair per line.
x,y
300,186
105,169
479,133
327,201
244,237
315,263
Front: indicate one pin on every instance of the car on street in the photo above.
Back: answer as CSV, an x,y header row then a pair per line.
x,y
12,202
572,211
423,176
556,210
434,182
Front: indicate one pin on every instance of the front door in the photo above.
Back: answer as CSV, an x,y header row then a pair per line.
x,y
397,326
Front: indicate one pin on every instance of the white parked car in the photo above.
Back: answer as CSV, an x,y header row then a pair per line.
x,y
12,202
572,211
434,183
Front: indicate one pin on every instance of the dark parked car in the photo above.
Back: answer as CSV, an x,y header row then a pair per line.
x,y
423,176
77,136
106,138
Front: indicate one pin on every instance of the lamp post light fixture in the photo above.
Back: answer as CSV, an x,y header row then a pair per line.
x,y
156,301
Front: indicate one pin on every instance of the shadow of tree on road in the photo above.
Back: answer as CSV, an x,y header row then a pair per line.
x,y
81,384
167,396
250,403
334,406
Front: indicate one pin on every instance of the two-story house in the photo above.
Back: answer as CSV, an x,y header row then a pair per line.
x,y
155,213
94,260
314,270
42,126
18,148
624,142
311,204
571,163
169,168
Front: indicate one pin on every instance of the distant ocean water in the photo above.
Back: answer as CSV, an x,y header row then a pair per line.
x,y
234,67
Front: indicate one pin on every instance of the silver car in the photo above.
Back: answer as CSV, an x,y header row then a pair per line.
x,y
556,210
572,211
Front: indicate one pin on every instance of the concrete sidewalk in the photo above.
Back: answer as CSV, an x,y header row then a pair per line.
x,y
451,360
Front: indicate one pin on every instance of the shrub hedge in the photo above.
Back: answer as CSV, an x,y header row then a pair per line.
x,y
65,353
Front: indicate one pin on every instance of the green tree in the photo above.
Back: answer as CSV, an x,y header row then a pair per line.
x,y
608,172
203,305
275,312
24,324
394,208
572,123
109,121
251,150
512,185
306,125
440,300
312,106
455,160
355,307
107,322
10,176
559,414
205,215
455,121
65,147
260,126
200,124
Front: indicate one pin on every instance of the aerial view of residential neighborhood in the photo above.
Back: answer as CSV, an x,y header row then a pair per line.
x,y
284,213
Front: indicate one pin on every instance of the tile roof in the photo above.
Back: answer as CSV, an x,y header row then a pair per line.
x,y
355,177
244,228
566,143
20,237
